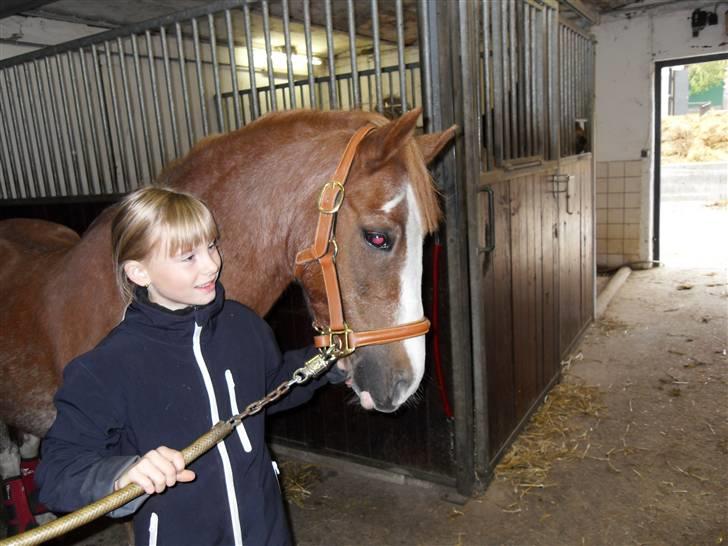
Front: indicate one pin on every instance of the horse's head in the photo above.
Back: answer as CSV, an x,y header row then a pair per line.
x,y
389,208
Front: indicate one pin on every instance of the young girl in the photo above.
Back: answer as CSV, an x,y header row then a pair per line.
x,y
182,359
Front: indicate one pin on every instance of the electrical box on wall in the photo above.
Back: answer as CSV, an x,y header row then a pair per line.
x,y
699,19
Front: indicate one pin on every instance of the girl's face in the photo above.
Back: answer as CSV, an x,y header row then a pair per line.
x,y
185,279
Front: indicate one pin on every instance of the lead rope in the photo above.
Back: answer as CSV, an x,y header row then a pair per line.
x,y
312,368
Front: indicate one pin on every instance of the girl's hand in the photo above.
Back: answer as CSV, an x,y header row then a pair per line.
x,y
158,469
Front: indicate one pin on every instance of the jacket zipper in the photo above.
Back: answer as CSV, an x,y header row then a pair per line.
x,y
242,433
227,467
153,529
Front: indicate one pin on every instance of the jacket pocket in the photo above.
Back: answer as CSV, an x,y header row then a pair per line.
x,y
153,529
242,433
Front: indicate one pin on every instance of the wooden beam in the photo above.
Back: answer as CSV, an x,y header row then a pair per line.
x,y
585,10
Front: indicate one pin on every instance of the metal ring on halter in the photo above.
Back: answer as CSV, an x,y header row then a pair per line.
x,y
339,187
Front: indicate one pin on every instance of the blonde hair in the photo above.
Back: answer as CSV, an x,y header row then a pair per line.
x,y
153,215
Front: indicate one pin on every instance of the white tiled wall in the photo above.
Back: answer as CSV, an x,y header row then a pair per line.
x,y
619,202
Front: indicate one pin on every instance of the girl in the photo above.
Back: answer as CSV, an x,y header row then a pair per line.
x,y
181,359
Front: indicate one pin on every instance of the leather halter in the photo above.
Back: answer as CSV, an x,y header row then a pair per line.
x,y
338,339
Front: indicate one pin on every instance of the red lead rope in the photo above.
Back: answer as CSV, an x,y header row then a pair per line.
x,y
435,314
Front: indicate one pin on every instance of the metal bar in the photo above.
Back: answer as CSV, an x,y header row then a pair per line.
x,y
22,146
96,182
170,95
400,56
84,149
487,112
413,88
120,182
554,92
513,63
309,51
128,184
499,138
215,72
155,100
506,81
200,81
353,54
142,106
377,55
529,77
423,31
333,95
269,56
289,59
14,180
38,147
46,133
539,46
104,129
233,65
70,141
183,77
255,105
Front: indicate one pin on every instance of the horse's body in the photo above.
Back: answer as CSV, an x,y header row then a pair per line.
x,y
261,182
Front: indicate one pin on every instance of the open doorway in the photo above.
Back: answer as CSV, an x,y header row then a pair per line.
x,y
691,162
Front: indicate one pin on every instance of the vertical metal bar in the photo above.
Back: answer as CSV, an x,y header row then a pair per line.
x,y
400,56
46,133
499,139
155,99
514,83
96,183
572,91
183,77
269,56
423,32
487,112
528,78
507,117
104,129
7,122
562,91
353,54
390,93
128,184
554,91
84,149
38,148
289,53
61,114
200,81
333,95
309,51
122,181
22,146
540,45
377,55
255,108
233,64
215,72
170,95
142,106
413,88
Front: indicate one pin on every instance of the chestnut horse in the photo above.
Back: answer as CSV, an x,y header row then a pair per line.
x,y
261,182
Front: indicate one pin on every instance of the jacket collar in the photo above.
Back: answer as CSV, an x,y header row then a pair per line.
x,y
160,322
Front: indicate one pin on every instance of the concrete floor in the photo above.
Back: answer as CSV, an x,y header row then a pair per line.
x,y
652,468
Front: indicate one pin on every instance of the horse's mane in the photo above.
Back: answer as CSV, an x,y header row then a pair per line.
x,y
308,122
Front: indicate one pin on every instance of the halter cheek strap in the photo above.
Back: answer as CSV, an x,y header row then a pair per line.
x,y
338,339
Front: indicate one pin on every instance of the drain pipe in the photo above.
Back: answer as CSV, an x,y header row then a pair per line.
x,y
606,295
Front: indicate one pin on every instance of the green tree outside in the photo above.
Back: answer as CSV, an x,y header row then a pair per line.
x,y
705,76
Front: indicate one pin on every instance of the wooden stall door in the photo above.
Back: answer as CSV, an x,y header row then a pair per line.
x,y
519,297
576,250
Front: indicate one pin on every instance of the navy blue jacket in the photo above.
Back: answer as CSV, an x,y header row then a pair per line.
x,y
164,378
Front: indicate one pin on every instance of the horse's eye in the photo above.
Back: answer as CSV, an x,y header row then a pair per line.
x,y
377,239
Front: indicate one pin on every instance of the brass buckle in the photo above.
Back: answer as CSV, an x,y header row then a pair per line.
x,y
339,187
339,341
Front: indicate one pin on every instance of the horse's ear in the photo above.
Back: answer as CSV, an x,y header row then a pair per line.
x,y
432,144
383,143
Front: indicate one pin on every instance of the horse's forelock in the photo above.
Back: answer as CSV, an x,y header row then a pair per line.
x,y
423,186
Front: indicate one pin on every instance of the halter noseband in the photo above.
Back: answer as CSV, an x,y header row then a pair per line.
x,y
338,339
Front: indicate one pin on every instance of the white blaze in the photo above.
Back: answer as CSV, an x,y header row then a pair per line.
x,y
389,205
410,296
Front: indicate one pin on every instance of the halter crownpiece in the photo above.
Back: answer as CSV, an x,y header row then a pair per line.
x,y
338,339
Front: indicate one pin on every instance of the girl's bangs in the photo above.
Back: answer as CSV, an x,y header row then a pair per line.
x,y
186,226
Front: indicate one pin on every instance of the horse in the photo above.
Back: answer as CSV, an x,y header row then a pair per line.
x,y
261,182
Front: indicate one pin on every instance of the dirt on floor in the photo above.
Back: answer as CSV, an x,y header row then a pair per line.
x,y
647,464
